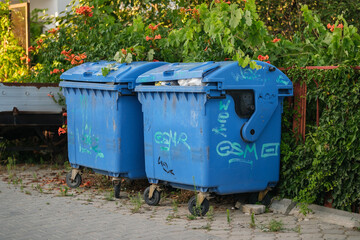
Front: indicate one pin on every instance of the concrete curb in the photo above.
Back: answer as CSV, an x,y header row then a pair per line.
x,y
328,215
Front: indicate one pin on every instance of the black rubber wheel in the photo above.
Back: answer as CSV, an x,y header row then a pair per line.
x,y
73,184
117,186
155,197
202,210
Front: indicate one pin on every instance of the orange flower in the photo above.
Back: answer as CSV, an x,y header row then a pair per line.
x,y
157,37
55,71
53,30
61,131
85,10
153,28
30,49
155,60
262,58
340,26
148,38
206,48
123,51
275,40
331,27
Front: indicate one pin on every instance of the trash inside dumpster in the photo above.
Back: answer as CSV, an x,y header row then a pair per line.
x,y
105,130
220,135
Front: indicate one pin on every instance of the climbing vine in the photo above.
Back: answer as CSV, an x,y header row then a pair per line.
x,y
326,167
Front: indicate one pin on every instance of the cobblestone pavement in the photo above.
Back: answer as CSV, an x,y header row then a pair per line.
x,y
33,213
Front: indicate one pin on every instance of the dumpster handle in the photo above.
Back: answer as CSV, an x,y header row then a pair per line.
x,y
252,129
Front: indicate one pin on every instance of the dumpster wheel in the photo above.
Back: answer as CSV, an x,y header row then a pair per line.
x,y
73,183
200,210
154,200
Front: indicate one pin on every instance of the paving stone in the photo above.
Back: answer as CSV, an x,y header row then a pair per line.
x,y
283,206
334,231
352,233
334,236
311,236
253,208
353,238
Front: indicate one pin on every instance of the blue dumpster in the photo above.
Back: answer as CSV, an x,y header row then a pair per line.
x,y
214,126
105,124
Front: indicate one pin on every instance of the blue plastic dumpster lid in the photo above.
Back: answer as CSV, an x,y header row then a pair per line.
x,y
120,72
229,74
177,71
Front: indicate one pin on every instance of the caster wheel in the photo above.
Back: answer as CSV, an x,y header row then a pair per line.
x,y
202,210
155,197
117,186
73,183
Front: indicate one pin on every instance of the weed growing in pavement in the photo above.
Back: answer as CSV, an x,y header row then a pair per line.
x,y
110,196
35,176
175,211
273,226
175,206
38,187
206,227
252,222
191,217
297,229
137,202
304,208
64,191
67,166
210,214
15,180
47,203
89,200
228,216
27,192
11,165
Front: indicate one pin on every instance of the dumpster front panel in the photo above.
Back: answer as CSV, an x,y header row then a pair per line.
x,y
175,137
98,131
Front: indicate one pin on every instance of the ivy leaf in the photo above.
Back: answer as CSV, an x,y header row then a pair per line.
x,y
150,55
245,62
248,19
236,15
128,58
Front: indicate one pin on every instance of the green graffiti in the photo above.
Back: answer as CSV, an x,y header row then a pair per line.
x,y
224,106
167,139
88,143
227,148
282,80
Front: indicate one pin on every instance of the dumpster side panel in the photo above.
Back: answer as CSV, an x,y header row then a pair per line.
x,y
237,166
132,135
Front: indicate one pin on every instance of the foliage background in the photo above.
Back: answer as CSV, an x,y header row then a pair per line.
x,y
323,168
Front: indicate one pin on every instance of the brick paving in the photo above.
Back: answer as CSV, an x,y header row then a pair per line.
x,y
27,213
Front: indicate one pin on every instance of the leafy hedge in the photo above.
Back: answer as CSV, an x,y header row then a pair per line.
x,y
13,57
326,167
